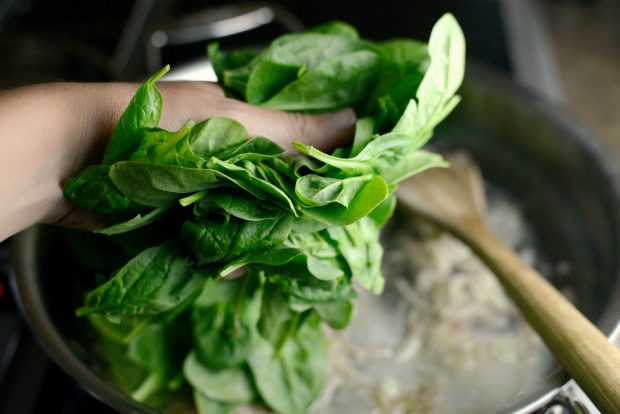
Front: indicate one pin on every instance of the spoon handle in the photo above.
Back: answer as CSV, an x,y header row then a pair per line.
x,y
587,355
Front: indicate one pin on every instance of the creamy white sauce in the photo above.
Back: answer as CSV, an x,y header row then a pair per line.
x,y
443,337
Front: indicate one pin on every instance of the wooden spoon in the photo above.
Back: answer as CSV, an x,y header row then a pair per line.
x,y
453,198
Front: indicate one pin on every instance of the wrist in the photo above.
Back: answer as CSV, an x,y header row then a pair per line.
x,y
49,133
96,109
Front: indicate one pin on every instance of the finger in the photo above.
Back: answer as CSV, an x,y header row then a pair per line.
x,y
77,218
190,100
326,131
200,100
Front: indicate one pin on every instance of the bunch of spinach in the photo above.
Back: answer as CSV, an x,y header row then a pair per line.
x,y
192,206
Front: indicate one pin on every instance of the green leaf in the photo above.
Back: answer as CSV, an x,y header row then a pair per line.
x,y
192,145
384,211
239,205
367,198
267,78
411,164
316,190
250,182
93,190
206,405
232,68
159,348
409,55
214,242
336,83
159,146
442,79
303,290
151,348
224,331
143,111
230,385
216,135
276,256
290,380
134,223
312,48
359,245
276,316
371,159
158,280
335,314
304,227
161,185
256,149
322,269
337,28
364,129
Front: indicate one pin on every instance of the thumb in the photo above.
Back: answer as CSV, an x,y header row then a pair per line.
x,y
200,100
326,131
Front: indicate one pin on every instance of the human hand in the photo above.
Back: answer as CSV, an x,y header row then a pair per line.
x,y
53,131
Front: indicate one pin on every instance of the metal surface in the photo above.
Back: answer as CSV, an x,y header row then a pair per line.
x,y
530,49
570,185
217,23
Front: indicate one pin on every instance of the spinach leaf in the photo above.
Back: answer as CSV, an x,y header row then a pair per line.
x,y
290,380
312,48
159,146
335,314
161,185
250,182
268,257
236,204
336,83
370,195
215,242
255,150
268,77
192,145
316,190
337,28
143,111
216,135
303,290
276,316
384,211
304,227
159,348
232,68
93,190
206,405
134,223
231,385
158,280
409,55
224,331
359,245
444,76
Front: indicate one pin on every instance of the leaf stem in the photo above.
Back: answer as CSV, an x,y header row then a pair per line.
x,y
151,384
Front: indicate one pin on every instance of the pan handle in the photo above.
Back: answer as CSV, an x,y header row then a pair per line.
x,y
569,399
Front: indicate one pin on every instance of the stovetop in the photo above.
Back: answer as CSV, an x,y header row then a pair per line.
x,y
104,40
